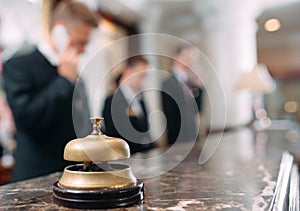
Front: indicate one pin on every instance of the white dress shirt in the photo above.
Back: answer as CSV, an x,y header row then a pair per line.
x,y
48,52
133,99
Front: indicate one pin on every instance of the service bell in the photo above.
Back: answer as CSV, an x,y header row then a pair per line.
x,y
97,183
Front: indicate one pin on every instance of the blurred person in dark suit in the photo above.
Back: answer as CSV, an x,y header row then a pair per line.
x,y
182,98
40,88
124,112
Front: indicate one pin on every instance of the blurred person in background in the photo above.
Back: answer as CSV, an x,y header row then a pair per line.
x,y
40,86
124,112
182,98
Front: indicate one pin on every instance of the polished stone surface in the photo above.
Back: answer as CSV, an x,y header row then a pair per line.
x,y
241,175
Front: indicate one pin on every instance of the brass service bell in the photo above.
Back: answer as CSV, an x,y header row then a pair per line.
x,y
97,183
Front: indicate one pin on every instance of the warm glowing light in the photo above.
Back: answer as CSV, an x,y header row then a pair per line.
x,y
291,135
272,25
291,106
265,122
260,113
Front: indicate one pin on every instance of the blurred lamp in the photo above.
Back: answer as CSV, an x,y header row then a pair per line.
x,y
258,80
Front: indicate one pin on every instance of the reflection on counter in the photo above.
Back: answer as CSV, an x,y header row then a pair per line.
x,y
241,174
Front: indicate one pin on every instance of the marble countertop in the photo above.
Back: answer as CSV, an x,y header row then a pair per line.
x,y
240,175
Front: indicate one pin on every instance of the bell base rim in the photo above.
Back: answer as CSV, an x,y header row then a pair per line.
x,y
98,198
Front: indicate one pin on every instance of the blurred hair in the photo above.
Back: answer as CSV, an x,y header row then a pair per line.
x,y
117,80
134,60
181,48
66,11
130,62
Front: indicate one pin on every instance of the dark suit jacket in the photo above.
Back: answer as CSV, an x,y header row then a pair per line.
x,y
121,122
180,110
41,102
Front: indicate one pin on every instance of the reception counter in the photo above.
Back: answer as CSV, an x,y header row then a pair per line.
x,y
240,175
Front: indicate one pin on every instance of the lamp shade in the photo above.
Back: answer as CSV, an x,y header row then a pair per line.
x,y
258,80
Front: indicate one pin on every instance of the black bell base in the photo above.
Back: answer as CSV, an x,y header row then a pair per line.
x,y
99,198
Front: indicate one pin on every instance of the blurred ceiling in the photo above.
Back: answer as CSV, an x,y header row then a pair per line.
x,y
180,19
177,17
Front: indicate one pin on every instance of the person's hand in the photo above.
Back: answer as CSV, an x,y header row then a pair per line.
x,y
68,63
